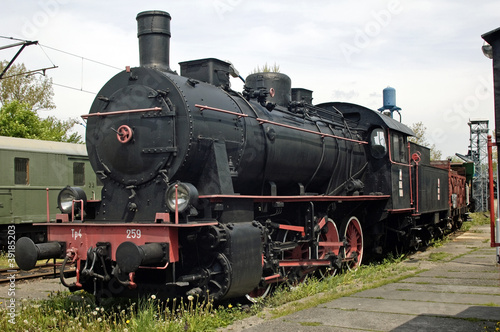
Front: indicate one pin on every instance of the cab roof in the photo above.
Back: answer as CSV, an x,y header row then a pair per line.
x,y
365,118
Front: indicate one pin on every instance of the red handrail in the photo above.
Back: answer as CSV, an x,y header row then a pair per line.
x,y
142,110
492,197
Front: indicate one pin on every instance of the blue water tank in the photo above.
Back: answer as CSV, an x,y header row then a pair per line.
x,y
389,95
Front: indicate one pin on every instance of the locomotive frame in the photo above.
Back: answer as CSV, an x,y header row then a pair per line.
x,y
216,193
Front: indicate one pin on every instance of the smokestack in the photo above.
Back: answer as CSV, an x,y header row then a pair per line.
x,y
153,31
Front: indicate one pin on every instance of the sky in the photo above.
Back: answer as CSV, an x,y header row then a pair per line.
x,y
349,51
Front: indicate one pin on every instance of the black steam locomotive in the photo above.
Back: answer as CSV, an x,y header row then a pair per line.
x,y
216,193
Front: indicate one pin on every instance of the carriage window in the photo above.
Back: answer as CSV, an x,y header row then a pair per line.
x,y
21,171
79,174
378,143
399,148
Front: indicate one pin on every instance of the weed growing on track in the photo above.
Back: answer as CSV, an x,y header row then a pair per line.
x,y
4,261
476,219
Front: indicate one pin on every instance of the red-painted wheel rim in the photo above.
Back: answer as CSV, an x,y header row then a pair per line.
x,y
259,293
302,251
353,236
331,235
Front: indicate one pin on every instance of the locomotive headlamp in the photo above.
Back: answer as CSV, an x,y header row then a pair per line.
x,y
487,50
67,196
181,194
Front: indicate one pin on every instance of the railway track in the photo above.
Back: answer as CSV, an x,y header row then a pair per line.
x,y
40,271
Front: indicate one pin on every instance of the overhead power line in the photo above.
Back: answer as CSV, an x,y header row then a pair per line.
x,y
61,51
24,43
73,88
80,57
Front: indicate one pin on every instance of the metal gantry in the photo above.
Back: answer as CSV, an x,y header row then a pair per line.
x,y
478,151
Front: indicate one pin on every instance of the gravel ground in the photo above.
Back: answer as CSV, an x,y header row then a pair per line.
x,y
34,289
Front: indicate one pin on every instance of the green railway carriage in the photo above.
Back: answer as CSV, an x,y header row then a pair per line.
x,y
32,171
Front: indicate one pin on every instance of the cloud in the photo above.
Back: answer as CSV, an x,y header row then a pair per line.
x,y
344,95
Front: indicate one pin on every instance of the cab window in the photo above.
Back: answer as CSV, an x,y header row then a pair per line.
x,y
399,148
378,144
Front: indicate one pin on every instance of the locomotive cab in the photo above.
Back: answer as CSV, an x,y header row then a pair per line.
x,y
387,152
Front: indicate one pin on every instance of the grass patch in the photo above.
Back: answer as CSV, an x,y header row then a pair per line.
x,y
5,264
311,323
476,219
439,242
4,261
438,256
491,304
77,312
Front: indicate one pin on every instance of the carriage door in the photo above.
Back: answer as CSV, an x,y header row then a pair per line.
x,y
5,206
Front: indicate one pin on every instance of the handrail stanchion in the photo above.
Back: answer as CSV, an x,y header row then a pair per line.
x,y
48,205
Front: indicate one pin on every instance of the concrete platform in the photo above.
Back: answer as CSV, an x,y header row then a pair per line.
x,y
459,292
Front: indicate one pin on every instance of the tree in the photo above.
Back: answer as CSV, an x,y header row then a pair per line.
x,y
21,97
18,120
419,129
33,90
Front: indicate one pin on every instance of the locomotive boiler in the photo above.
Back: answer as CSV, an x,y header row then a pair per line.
x,y
217,193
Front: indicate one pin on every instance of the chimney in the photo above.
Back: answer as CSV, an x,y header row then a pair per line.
x,y
153,31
